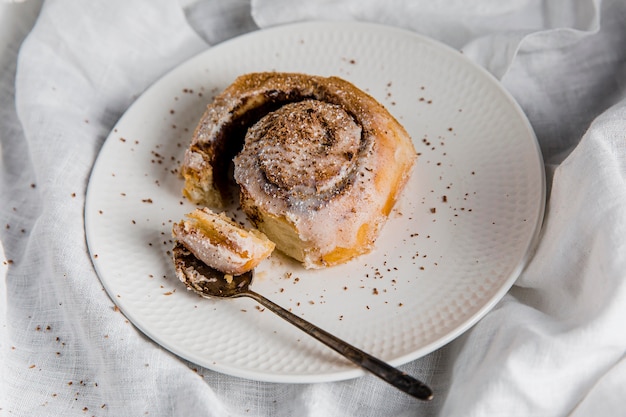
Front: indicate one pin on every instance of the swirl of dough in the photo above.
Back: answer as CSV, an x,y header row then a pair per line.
x,y
319,162
305,150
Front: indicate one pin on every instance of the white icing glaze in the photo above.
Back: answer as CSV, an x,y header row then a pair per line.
x,y
290,171
326,158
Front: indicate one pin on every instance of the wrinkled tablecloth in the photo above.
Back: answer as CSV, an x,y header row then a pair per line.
x,y
553,346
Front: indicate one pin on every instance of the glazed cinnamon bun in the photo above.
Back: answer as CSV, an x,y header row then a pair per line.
x,y
319,163
220,243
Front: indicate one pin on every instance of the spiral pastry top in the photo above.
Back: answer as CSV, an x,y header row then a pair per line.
x,y
319,162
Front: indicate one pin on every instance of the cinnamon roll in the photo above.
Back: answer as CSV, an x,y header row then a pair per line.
x,y
220,243
319,163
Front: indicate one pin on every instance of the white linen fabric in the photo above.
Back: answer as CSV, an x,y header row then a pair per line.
x,y
554,346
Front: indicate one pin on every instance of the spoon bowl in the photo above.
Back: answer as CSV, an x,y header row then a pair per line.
x,y
206,281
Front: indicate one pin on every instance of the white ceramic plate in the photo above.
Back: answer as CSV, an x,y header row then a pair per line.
x,y
453,246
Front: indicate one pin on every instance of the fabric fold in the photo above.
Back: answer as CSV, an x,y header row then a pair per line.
x,y
553,346
77,73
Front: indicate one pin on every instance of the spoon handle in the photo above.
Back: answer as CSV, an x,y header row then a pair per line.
x,y
388,373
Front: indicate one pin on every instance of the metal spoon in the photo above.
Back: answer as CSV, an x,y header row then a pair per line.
x,y
209,282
